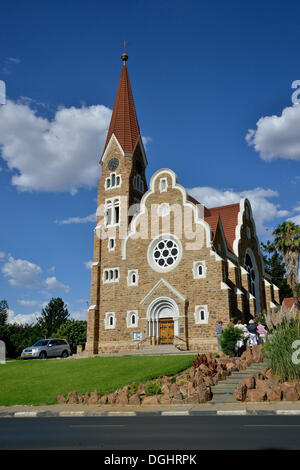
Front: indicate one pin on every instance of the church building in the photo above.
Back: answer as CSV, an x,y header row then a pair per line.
x,y
166,269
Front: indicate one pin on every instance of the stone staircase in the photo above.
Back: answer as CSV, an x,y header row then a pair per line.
x,y
223,391
160,349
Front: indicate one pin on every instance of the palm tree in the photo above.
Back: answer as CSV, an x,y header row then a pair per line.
x,y
287,241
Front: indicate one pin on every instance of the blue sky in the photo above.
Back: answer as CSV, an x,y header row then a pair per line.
x,y
205,75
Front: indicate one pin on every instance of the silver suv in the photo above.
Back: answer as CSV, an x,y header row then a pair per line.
x,y
47,348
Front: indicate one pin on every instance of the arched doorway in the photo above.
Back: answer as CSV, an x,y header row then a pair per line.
x,y
162,315
251,267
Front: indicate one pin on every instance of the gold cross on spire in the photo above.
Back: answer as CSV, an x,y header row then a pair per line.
x,y
124,56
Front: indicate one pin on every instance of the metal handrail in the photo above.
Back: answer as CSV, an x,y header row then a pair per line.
x,y
143,340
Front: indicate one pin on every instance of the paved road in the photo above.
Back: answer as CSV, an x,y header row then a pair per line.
x,y
152,433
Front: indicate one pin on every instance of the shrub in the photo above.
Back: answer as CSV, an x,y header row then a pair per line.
x,y
133,389
228,339
153,387
280,350
74,331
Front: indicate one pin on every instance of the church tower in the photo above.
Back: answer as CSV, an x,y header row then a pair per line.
x,y
121,187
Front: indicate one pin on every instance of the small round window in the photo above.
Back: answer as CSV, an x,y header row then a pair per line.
x,y
164,254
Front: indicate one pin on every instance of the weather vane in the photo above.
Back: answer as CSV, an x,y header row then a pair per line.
x,y
124,56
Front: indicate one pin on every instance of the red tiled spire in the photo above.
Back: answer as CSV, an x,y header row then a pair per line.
x,y
124,123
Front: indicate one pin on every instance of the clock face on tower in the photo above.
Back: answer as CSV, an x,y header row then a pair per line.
x,y
113,164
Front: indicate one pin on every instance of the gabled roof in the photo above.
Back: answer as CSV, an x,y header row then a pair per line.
x,y
229,219
124,124
288,302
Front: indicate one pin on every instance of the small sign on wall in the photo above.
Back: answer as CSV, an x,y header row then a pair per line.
x,y
137,336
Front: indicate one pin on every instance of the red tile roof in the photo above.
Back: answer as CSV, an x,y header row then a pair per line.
x,y
124,123
288,302
229,219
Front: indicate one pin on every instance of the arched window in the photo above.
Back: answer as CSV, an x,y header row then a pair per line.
x,y
110,320
199,269
113,181
253,278
132,319
111,275
132,278
112,211
201,314
138,183
250,268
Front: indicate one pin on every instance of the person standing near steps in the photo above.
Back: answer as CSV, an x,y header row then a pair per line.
x,y
219,331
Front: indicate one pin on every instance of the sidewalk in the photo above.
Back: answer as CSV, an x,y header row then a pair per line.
x,y
245,408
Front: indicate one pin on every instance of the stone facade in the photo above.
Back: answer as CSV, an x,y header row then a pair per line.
x,y
213,271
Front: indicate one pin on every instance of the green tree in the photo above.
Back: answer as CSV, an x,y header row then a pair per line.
x,y
228,339
53,316
17,337
287,241
275,266
3,312
74,331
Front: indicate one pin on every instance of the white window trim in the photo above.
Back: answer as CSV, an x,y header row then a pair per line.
x,y
129,316
108,244
129,277
198,320
163,185
196,264
163,209
106,321
112,203
151,246
138,183
109,178
114,278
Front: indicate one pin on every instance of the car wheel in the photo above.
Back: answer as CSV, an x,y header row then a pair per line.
x,y
43,355
65,354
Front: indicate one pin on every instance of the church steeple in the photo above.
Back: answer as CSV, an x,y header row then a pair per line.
x,y
124,124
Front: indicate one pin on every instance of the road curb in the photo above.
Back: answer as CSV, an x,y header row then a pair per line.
x,y
178,413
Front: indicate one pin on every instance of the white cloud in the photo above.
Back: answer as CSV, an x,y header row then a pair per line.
x,y
78,220
146,141
295,219
277,136
79,315
53,284
61,154
21,318
88,264
28,303
8,63
2,254
22,273
263,210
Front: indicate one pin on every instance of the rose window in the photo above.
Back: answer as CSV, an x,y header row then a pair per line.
x,y
165,253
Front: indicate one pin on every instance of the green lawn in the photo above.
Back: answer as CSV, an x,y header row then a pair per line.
x,y
36,382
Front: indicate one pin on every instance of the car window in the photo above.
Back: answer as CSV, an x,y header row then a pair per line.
x,y
42,342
